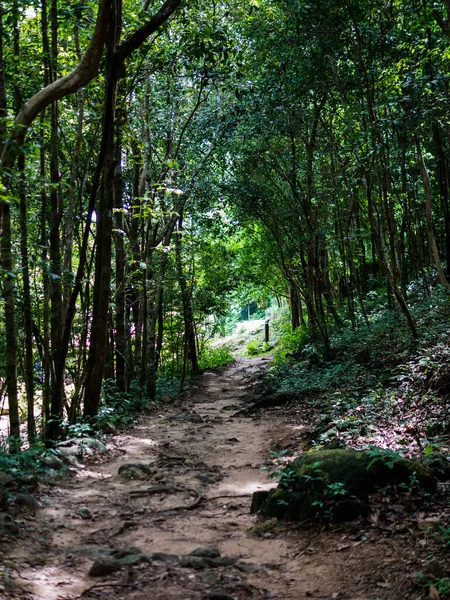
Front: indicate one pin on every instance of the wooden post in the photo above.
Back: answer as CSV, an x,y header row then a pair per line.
x,y
266,331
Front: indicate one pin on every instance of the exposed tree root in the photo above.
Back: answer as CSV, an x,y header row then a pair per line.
x,y
170,489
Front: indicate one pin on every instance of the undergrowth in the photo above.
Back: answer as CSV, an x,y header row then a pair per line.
x,y
373,373
25,464
215,357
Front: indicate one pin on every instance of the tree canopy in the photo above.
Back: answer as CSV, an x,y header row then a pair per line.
x,y
163,160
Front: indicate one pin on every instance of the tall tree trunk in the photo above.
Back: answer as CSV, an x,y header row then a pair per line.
x,y
28,317
69,212
442,176
99,330
8,280
186,295
121,334
55,210
427,195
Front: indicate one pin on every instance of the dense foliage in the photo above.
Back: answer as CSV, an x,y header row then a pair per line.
x,y
218,153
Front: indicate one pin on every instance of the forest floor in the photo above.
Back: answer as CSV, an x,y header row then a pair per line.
x,y
99,534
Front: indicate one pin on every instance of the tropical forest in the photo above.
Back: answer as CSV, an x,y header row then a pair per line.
x,y
225,299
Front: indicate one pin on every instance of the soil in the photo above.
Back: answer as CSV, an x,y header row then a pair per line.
x,y
204,464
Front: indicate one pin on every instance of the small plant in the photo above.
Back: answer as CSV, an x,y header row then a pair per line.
x,y
215,358
425,585
314,479
334,490
287,477
253,348
387,457
24,463
278,453
80,429
275,471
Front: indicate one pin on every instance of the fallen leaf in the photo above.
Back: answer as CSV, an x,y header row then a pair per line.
x,y
383,584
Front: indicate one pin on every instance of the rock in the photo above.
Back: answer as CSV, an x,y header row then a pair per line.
x,y
135,559
308,485
210,576
165,398
91,442
259,499
362,471
206,552
27,501
84,513
139,471
166,558
107,427
70,451
247,567
51,461
194,562
109,560
104,565
279,399
222,561
81,444
208,558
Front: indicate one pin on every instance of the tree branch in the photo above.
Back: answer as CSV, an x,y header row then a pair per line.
x,y
83,73
139,36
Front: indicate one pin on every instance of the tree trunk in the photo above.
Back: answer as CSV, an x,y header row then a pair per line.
x,y
188,313
8,282
28,318
121,337
99,329
427,195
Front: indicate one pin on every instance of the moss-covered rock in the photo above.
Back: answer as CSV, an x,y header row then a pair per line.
x,y
335,483
360,472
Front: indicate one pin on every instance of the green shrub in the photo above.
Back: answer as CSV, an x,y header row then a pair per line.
x,y
120,408
291,341
24,463
215,358
253,348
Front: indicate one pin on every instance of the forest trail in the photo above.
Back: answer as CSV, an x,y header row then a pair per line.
x,y
203,466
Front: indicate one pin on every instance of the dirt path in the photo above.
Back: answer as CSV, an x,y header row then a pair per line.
x,y
203,467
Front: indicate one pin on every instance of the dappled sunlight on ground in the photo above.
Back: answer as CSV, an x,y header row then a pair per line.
x,y
197,492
